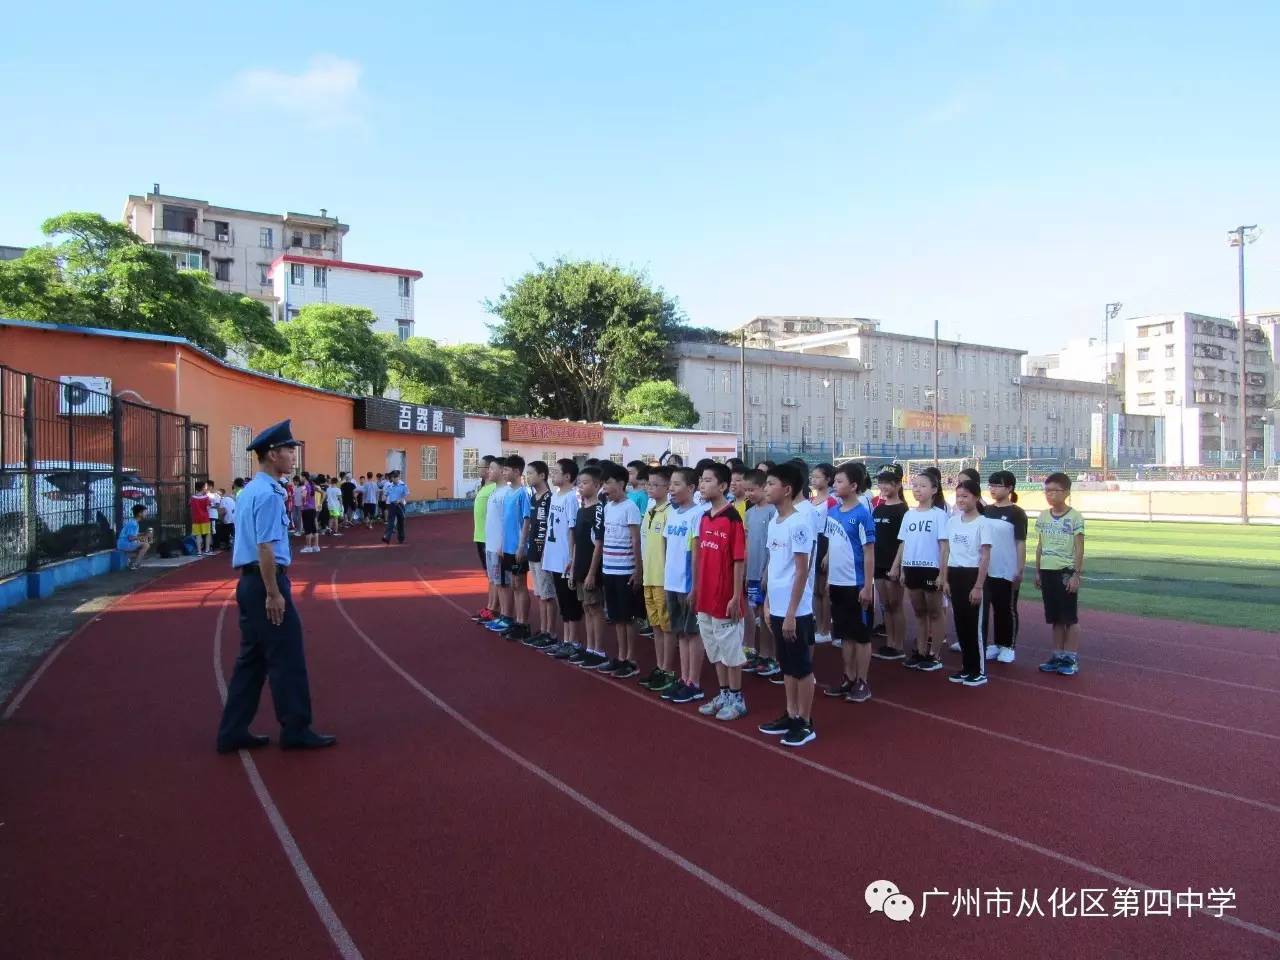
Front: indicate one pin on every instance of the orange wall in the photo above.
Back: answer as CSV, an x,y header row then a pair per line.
x,y
183,380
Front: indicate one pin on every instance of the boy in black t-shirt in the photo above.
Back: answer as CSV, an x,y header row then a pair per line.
x,y
588,530
543,582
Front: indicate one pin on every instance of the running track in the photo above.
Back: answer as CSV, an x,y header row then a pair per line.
x,y
486,801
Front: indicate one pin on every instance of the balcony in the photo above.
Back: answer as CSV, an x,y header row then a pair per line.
x,y
179,238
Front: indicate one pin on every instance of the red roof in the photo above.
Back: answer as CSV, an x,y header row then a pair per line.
x,y
344,264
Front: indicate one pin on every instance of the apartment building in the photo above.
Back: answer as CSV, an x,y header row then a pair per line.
x,y
1084,358
236,247
1186,367
765,332
298,280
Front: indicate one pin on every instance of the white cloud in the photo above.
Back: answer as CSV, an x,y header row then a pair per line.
x,y
326,95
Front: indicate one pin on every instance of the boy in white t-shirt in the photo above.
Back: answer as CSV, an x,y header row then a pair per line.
x,y
791,545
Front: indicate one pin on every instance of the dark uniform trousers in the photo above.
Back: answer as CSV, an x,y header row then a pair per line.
x,y
267,652
395,519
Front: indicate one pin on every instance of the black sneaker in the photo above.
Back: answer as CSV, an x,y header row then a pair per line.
x,y
929,664
839,691
957,677
776,728
667,683
592,660
913,662
517,631
645,631
578,655
974,679
801,732
690,693
673,691
533,639
886,652
626,671
655,678
777,679
545,642
879,631
564,651
609,666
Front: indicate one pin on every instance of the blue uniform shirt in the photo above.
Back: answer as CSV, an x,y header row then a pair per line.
x,y
261,517
515,508
127,532
397,492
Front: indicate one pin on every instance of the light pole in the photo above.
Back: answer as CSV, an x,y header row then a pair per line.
x,y
1238,238
830,385
1109,315
1222,437
742,378
937,372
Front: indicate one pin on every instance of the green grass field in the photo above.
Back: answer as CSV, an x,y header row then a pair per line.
x,y
1196,572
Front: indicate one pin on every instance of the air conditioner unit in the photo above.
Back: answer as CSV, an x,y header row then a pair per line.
x,y
1015,380
756,399
790,402
868,366
842,404
85,396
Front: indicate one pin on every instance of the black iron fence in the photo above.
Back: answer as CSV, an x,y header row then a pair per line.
x,y
74,462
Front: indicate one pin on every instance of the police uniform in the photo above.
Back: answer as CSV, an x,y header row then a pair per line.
x,y
267,651
397,493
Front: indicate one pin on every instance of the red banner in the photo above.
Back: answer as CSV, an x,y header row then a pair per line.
x,y
553,431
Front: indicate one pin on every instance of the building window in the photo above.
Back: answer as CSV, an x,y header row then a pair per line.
x,y
295,239
266,238
902,351
1146,399
726,422
711,378
188,260
344,455
1168,396
549,457
222,270
615,457
319,276
297,274
178,219
822,427
292,313
264,274
1168,350
221,231
1144,353
404,284
915,394
1144,376
805,430
404,329
314,241
429,463
726,381
875,429
784,426
1170,373
470,463
763,419
241,459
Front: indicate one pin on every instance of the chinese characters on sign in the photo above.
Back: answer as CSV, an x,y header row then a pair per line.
x,y
516,430
375,413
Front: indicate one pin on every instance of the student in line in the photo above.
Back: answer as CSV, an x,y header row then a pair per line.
x,y
517,506
719,556
1008,523
132,542
201,524
918,562
305,497
638,485
543,581
499,578
333,501
653,553
966,557
369,506
851,546
557,556
678,581
618,553
820,496
737,495
791,546
479,507
1059,566
588,531
757,636
888,516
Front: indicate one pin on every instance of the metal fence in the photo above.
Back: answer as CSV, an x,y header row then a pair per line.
x,y
74,462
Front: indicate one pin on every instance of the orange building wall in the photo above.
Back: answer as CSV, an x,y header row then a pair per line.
x,y
186,381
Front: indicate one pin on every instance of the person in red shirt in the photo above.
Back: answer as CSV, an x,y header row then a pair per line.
x,y
719,560
201,527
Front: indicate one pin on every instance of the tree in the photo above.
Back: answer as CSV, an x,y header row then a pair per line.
x,y
469,376
329,346
583,333
100,274
657,403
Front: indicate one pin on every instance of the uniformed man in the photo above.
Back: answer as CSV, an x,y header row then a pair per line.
x,y
270,629
397,494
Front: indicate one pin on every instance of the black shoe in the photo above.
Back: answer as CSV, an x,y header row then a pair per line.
x,y
307,740
567,653
801,732
913,662
777,727
879,631
533,639
929,664
577,656
655,677
840,691
250,741
886,652
675,690
688,694
612,665
544,641
626,671
957,677
592,660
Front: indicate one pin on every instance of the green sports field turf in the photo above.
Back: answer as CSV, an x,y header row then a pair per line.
x,y
1196,572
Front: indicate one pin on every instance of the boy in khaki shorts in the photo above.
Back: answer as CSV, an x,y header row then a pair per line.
x,y
653,551
719,557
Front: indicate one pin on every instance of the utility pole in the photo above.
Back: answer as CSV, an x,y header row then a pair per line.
x,y
1238,238
1108,316
937,395
742,377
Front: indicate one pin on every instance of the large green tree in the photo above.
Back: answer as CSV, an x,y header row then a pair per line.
x,y
584,333
330,346
98,273
657,403
469,376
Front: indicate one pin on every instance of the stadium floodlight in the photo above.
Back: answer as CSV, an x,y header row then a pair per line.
x,y
1240,238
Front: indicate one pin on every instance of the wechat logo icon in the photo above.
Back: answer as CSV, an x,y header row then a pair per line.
x,y
883,896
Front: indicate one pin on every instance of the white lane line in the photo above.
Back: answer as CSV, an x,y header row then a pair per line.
x,y
1203,648
347,948
21,695
711,880
1172,673
1010,738
887,793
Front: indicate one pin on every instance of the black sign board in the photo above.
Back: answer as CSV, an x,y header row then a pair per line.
x,y
391,416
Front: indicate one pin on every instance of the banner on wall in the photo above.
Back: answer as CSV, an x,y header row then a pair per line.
x,y
923,420
525,430
390,416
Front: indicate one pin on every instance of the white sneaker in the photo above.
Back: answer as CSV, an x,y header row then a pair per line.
x,y
1006,655
713,706
955,647
734,708
837,642
822,638
992,652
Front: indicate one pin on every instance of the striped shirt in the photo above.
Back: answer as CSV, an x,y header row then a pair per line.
x,y
618,553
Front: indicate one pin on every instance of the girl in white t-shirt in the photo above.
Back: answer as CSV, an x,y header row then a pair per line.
x,y
820,480
966,554
919,563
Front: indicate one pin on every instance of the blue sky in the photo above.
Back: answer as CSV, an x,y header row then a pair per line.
x,y
1009,167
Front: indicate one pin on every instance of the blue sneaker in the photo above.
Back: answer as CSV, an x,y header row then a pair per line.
x,y
1068,666
497,626
1051,665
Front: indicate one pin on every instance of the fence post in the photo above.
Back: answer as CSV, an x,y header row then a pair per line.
x,y
160,509
117,464
29,457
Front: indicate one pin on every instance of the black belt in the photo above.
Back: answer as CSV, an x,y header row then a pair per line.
x,y
253,569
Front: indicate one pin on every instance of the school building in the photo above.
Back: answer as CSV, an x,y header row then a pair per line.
x,y
437,449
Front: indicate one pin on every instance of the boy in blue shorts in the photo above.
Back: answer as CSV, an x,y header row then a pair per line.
x,y
131,541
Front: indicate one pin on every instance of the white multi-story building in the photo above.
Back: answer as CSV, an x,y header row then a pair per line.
x,y
1186,368
1084,358
298,280
236,247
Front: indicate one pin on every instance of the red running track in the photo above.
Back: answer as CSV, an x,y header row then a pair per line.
x,y
486,801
